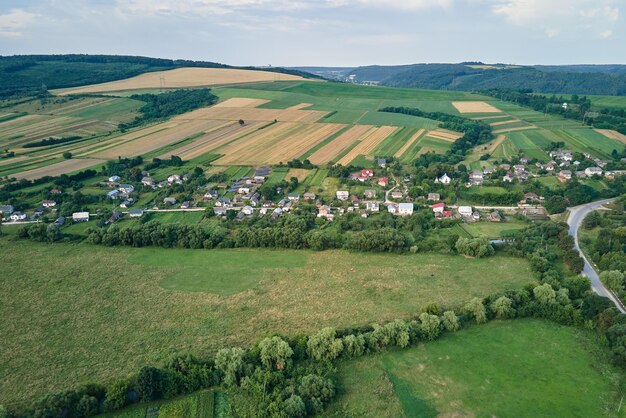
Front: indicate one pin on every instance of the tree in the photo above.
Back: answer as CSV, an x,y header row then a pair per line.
x,y
275,352
117,395
450,321
294,407
149,384
544,294
430,326
316,391
594,304
503,307
323,346
476,309
242,122
613,279
230,362
474,247
67,155
353,345
3,412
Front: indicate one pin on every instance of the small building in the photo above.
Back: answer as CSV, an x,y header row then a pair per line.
x,y
593,171
293,196
433,197
148,181
48,203
465,210
355,200
80,216
445,179
60,221
126,203
17,216
476,215
370,193
126,188
174,178
438,207
476,175
494,216
223,202
220,210
185,205
245,189
55,191
508,178
405,209
323,211
372,206
115,216
392,208
382,163
247,210
367,173
113,194
169,200
114,179
6,210
210,195
383,181
565,175
396,194
309,196
342,194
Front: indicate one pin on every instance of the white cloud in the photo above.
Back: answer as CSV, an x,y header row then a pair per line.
x,y
203,7
393,4
556,17
381,39
13,23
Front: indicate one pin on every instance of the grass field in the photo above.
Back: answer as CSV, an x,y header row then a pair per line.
x,y
197,405
520,368
494,230
155,302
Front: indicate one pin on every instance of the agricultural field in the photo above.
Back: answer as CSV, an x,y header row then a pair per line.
x,y
197,405
519,368
367,143
157,302
181,78
495,230
475,107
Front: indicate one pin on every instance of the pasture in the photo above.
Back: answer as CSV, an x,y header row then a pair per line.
x,y
154,302
181,78
518,368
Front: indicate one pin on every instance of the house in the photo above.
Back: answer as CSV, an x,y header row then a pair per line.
x,y
446,214
293,196
372,206
185,205
488,171
210,195
465,210
169,200
438,207
115,216
174,178
433,197
245,189
148,181
405,209
276,213
309,196
549,166
494,217
531,197
55,191
126,188
48,203
383,181
396,194
565,175
60,221
136,213
17,216
580,174
476,176
39,211
445,179
126,203
240,216
392,208
262,171
323,211
80,216
355,200
113,194
367,173
369,193
476,216
220,211
508,178
247,210
342,194
114,179
505,167
6,210
592,171
382,163
524,160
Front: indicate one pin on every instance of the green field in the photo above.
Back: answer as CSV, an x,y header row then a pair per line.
x,y
198,405
54,335
494,230
521,368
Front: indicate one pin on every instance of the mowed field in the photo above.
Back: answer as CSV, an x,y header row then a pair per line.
x,y
519,368
181,78
156,302
59,168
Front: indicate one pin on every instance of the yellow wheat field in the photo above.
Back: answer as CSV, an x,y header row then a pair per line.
x,y
241,102
444,135
57,169
181,78
330,151
281,142
368,143
475,107
408,143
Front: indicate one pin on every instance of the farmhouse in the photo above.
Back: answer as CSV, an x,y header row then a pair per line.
x,y
405,209
383,181
323,211
49,203
370,194
309,196
80,216
293,196
148,181
210,195
174,178
465,210
438,207
245,189
367,173
126,188
113,194
445,179
392,208
126,203
247,210
565,175
114,179
17,216
342,194
592,171
220,211
476,176
372,206
136,213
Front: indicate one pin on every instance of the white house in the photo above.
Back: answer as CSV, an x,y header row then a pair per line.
x,y
170,200
342,194
114,179
136,213
465,210
49,203
126,188
372,206
592,171
80,216
392,208
247,210
17,216
445,179
405,209
113,194
174,178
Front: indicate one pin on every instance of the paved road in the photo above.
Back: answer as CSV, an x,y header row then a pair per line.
x,y
576,216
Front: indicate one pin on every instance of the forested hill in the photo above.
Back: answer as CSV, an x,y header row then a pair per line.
x,y
26,74
579,79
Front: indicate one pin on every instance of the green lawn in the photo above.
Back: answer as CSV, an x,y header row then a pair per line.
x,y
197,405
520,368
494,230
75,313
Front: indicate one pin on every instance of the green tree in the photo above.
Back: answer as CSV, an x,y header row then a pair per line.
x,y
613,279
67,155
353,345
324,346
117,395
503,307
476,309
450,321
430,326
275,352
474,247
294,407
230,361
544,294
3,412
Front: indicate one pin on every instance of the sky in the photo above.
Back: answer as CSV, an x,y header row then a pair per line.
x,y
322,32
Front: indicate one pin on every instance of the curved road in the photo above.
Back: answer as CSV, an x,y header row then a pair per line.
x,y
576,216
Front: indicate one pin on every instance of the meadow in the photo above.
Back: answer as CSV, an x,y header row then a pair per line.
x,y
156,302
520,368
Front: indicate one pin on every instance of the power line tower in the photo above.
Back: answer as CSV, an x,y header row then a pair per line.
x,y
162,83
